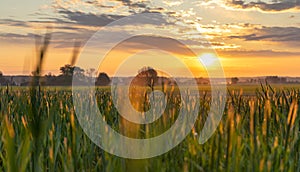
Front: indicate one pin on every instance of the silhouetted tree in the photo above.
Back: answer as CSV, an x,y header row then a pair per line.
x,y
276,79
103,79
234,80
69,71
147,76
65,78
3,80
49,74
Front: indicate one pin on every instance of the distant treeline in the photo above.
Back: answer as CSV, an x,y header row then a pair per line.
x,y
64,79
146,76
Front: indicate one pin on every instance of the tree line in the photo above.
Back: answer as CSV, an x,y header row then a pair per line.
x,y
147,76
63,79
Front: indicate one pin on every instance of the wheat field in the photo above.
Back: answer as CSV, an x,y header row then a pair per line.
x,y
40,132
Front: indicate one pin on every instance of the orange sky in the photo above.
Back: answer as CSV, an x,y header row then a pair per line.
x,y
248,40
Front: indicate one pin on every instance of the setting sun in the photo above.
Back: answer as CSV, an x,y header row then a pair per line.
x,y
208,59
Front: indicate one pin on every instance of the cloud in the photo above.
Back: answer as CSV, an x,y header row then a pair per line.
x,y
98,4
276,34
75,26
223,45
59,39
274,5
129,3
18,36
106,6
89,19
138,43
256,53
68,18
11,22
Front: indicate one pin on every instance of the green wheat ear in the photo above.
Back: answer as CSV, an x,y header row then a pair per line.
x,y
37,121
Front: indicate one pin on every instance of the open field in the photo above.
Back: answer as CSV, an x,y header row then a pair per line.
x,y
259,131
139,86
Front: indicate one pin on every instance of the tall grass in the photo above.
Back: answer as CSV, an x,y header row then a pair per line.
x,y
257,133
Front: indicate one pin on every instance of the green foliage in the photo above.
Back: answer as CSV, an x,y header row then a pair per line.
x,y
257,133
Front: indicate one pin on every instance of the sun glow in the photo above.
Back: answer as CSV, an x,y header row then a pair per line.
x,y
208,59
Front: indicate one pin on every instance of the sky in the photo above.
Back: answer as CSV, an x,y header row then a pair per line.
x,y
247,37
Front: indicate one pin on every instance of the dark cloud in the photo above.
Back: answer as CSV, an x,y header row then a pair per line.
x,y
69,17
11,22
18,36
68,29
59,39
275,34
131,4
88,19
98,4
50,22
18,39
275,5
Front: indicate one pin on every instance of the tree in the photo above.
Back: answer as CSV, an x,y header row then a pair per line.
x,y
276,79
103,79
234,80
68,71
147,76
3,80
139,88
49,75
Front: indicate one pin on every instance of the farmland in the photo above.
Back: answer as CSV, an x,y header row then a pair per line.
x,y
259,131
